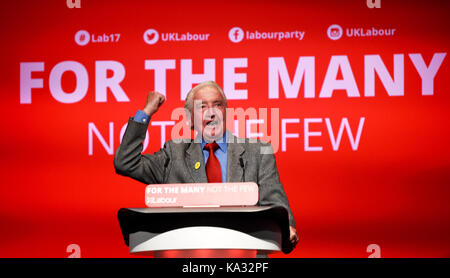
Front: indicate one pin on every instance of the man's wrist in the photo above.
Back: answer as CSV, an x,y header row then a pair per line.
x,y
149,110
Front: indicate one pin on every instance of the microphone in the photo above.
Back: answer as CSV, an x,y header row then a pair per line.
x,y
241,162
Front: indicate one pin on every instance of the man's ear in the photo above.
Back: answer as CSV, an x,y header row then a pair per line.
x,y
190,120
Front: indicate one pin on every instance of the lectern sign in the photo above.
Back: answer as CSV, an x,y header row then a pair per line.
x,y
201,194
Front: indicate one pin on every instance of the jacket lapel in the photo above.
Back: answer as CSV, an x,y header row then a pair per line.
x,y
235,153
194,156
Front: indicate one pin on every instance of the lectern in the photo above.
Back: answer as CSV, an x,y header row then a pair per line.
x,y
206,232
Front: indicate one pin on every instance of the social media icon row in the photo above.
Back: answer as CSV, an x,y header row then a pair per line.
x,y
235,35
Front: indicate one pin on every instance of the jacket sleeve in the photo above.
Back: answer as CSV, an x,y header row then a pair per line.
x,y
128,160
271,190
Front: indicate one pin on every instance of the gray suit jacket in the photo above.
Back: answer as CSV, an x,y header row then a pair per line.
x,y
175,164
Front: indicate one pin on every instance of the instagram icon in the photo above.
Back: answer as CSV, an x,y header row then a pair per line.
x,y
334,32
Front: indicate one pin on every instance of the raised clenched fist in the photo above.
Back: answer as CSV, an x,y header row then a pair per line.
x,y
154,101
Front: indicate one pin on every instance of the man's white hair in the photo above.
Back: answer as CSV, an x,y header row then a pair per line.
x,y
189,102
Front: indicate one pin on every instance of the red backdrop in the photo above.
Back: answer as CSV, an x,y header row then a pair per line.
x,y
390,188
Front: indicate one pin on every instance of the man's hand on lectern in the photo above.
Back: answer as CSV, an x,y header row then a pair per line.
x,y
293,238
154,101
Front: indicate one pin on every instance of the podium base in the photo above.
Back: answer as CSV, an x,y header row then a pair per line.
x,y
206,253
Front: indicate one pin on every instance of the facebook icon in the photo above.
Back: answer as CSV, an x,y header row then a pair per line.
x,y
236,34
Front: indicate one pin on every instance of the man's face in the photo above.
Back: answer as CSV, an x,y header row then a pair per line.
x,y
209,113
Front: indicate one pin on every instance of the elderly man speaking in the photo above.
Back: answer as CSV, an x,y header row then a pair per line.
x,y
222,153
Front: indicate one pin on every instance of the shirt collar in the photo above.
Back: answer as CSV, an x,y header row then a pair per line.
x,y
221,142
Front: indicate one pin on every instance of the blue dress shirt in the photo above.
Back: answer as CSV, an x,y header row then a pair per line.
x,y
141,117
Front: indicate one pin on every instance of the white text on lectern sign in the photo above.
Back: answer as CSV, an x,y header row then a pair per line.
x,y
201,194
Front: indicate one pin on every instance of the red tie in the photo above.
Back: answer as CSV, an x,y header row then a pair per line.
x,y
213,171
